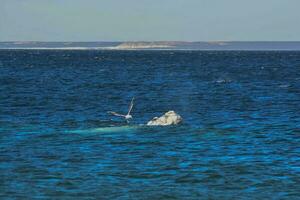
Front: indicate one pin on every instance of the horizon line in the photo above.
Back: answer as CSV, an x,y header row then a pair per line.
x,y
123,41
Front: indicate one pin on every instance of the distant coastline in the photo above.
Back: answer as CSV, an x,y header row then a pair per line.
x,y
160,45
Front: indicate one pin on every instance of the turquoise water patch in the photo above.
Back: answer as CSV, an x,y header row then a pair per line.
x,y
112,129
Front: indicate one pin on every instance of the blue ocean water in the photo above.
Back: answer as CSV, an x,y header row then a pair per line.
x,y
240,138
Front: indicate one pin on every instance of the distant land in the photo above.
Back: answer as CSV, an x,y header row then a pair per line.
x,y
161,45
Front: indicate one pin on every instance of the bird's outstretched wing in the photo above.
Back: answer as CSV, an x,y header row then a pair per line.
x,y
116,114
131,106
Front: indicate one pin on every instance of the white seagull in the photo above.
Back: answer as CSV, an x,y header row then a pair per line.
x,y
128,116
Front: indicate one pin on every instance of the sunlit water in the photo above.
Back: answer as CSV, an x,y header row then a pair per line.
x,y
240,138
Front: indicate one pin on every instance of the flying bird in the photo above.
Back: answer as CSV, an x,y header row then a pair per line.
x,y
128,116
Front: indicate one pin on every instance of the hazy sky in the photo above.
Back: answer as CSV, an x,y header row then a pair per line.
x,y
136,20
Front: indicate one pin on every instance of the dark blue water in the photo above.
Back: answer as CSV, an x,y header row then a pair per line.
x,y
240,138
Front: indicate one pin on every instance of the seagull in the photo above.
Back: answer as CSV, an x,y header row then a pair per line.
x,y
128,116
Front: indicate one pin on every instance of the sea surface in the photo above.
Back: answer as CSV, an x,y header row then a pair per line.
x,y
240,138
